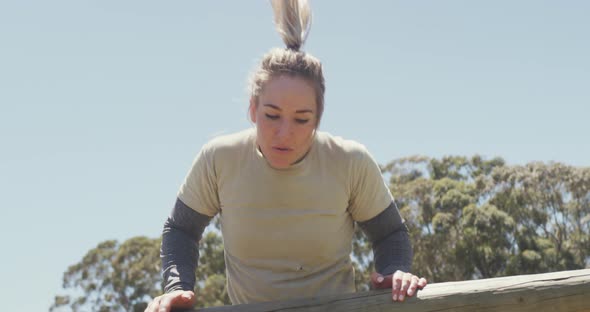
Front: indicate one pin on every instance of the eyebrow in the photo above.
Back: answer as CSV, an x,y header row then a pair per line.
x,y
297,111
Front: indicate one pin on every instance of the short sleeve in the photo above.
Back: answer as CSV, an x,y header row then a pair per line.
x,y
199,189
369,193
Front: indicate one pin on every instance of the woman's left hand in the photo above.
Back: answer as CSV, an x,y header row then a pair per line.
x,y
402,284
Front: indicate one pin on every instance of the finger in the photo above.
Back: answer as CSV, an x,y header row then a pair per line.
x,y
184,300
396,284
376,279
380,281
188,295
166,303
422,282
406,281
153,307
188,299
413,286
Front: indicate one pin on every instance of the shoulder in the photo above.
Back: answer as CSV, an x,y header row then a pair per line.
x,y
348,155
224,149
229,142
340,147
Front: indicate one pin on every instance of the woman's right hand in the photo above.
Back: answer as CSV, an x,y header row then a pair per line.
x,y
181,299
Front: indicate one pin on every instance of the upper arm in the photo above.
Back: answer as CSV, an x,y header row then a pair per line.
x,y
384,224
369,195
188,220
199,189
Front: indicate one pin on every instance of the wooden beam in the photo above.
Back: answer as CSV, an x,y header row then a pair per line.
x,y
558,291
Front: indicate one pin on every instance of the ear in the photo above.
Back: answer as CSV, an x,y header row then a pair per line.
x,y
252,109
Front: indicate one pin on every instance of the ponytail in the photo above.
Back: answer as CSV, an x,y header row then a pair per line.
x,y
293,21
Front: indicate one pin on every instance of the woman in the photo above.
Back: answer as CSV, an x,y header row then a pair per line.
x,y
287,194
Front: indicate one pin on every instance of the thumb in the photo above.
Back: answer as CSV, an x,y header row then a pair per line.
x,y
188,295
380,281
186,299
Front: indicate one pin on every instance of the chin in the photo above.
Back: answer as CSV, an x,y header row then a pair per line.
x,y
280,165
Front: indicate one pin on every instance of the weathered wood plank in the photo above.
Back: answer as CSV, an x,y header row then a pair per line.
x,y
558,291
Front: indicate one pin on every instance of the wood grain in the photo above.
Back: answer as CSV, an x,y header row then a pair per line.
x,y
558,291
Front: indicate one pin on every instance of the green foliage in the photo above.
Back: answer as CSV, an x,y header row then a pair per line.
x,y
362,259
113,277
125,277
468,218
211,286
476,218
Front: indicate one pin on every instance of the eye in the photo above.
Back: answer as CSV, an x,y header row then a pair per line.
x,y
272,117
301,121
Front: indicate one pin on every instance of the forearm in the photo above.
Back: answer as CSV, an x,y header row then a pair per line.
x,y
389,237
393,253
180,249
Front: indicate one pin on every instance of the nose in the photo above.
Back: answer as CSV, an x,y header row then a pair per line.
x,y
284,129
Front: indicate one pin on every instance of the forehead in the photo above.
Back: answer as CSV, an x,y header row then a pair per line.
x,y
289,93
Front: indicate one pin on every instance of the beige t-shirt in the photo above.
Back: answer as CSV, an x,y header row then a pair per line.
x,y
287,233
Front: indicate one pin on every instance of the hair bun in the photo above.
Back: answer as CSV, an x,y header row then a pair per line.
x,y
293,21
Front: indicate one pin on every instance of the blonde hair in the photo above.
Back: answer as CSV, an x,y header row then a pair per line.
x,y
293,22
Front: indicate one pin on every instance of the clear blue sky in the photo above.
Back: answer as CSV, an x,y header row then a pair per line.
x,y
104,104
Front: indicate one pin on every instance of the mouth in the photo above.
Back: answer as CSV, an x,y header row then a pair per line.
x,y
282,149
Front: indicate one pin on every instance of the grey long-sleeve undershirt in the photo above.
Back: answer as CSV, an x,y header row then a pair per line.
x,y
390,241
184,228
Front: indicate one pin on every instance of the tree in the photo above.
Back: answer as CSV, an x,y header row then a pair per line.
x,y
125,277
468,218
113,277
211,287
475,218
551,204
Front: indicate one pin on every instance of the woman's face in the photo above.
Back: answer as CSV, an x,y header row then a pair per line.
x,y
285,118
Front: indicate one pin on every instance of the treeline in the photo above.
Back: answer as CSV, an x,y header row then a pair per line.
x,y
469,218
472,218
